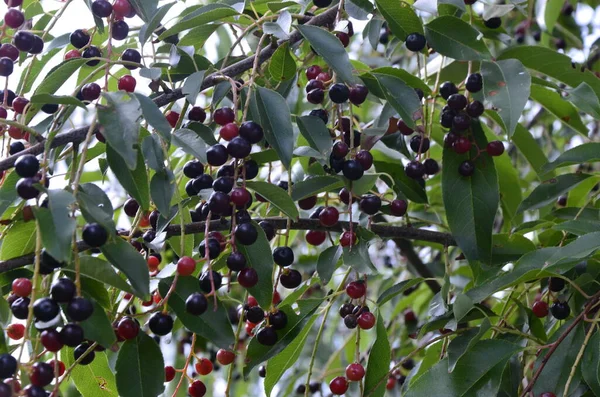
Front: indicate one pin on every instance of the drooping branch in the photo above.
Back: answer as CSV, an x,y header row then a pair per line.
x,y
381,230
77,135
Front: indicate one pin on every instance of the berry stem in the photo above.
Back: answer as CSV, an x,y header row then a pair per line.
x,y
185,367
253,75
238,331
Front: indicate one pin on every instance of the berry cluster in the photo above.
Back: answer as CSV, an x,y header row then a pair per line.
x,y
320,81
560,310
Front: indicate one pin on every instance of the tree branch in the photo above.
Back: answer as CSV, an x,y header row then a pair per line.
x,y
78,135
402,233
408,250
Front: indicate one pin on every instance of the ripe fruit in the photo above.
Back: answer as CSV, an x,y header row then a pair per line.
x,y
255,314
493,23
475,109
353,170
370,204
409,316
246,234
415,42
9,51
338,385
540,309
224,116
45,309
236,261
205,281
197,114
41,374
94,235
290,278
247,277
101,8
404,128
169,373
122,8
356,289
38,45
339,93
278,320
322,3
283,256
466,168
358,94
307,203
355,372
448,88
8,366
204,366
229,131
216,155
315,96
71,335
160,323
267,336
556,284
120,30
128,328
79,38
398,207
560,310
347,239
474,82
365,158
329,216
315,237
366,320
462,145
131,55
127,83
457,101
80,309
495,148
414,169
251,131
225,357
15,331
92,52
196,304
63,290
186,266
240,197
90,92
313,71
344,38
14,18
81,350
340,150
22,287
57,365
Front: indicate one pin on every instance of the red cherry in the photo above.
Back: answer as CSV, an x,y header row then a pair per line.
x,y
338,386
16,132
59,364
540,309
366,320
324,77
72,54
462,145
276,298
494,148
365,158
197,389
348,238
186,266
19,104
169,373
344,38
316,237
252,301
410,316
153,263
51,340
250,328
22,287
224,116
225,357
398,207
127,83
313,71
344,196
240,196
355,372
172,118
121,8
229,131
391,382
204,366
128,328
15,331
329,216
356,289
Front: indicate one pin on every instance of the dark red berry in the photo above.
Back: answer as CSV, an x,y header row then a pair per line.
x,y
313,71
316,96
398,207
127,83
247,277
370,204
22,287
315,237
355,372
414,169
224,116
290,278
366,320
128,328
51,340
197,114
339,93
495,148
169,373
540,309
338,385
365,158
358,94
329,216
41,374
347,239
462,145
404,128
225,357
14,18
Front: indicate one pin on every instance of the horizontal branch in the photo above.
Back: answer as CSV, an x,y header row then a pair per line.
x,y
78,135
383,231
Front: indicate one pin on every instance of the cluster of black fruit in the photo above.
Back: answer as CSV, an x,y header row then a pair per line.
x,y
339,93
268,323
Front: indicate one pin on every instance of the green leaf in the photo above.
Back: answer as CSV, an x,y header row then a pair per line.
x,y
557,369
379,361
467,379
154,117
279,364
258,353
464,342
98,327
121,126
58,76
331,49
327,262
401,18
406,77
315,185
198,36
403,98
144,8
404,186
94,379
510,247
140,368
190,142
153,153
147,30
506,85
548,191
276,121
462,306
57,99
455,38
95,206
563,110
282,66
8,191
127,259
584,97
590,364
553,64
204,132
359,257
585,153
162,189
260,257
316,133
531,150
212,325
547,13
276,196
201,16
134,180
396,290
57,225
18,240
100,270
471,212
191,86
